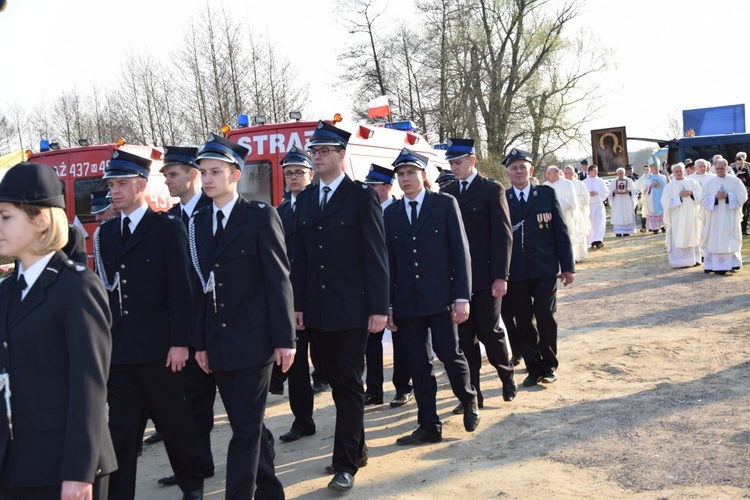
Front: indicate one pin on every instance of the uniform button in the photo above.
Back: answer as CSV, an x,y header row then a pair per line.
x,y
223,325
322,266
5,345
221,305
98,471
320,247
417,276
220,285
124,296
242,251
415,250
414,238
122,266
125,312
320,227
416,264
124,282
216,265
323,287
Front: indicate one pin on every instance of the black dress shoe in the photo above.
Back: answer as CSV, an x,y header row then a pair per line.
x,y
342,481
471,416
361,462
168,481
421,435
294,434
154,438
509,392
531,380
459,410
196,494
549,378
371,399
515,360
317,388
401,399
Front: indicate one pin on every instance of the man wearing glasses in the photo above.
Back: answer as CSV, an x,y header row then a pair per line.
x,y
340,281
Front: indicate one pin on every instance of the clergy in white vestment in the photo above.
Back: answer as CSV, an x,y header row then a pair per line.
x,y
653,186
722,198
622,204
681,201
565,193
582,226
701,174
599,192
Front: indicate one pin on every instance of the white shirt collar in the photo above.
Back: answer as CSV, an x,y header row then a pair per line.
x,y
419,199
135,217
189,207
526,192
470,179
33,272
333,185
226,210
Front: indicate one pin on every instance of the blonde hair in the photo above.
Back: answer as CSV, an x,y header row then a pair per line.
x,y
55,237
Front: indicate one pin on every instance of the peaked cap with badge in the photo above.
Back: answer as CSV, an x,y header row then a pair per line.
x,y
458,148
407,157
296,156
219,148
174,155
124,164
379,175
516,154
100,202
328,135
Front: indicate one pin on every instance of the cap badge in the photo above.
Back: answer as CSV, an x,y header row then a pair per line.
x,y
320,124
450,143
115,154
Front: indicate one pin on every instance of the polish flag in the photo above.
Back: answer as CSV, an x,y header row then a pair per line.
x,y
379,107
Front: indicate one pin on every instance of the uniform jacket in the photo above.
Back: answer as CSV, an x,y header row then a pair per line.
x,y
155,285
56,349
538,251
485,216
254,313
430,264
203,201
340,267
76,247
286,214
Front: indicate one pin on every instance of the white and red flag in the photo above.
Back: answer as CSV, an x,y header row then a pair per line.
x,y
379,107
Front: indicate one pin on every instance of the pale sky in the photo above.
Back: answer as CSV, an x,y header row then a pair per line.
x,y
670,54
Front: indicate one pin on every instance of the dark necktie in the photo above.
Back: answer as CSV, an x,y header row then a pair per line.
x,y
413,205
185,218
219,226
464,187
126,230
21,287
522,199
326,190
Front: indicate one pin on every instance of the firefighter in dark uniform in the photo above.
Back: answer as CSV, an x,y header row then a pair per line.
x,y
245,317
298,174
340,277
381,180
183,180
54,329
541,250
142,259
484,212
430,270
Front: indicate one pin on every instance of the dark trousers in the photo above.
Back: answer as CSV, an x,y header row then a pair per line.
x,y
509,319
100,491
249,457
414,332
483,326
132,387
374,360
342,355
278,377
536,299
745,215
200,395
300,390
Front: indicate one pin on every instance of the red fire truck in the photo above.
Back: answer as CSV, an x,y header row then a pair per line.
x,y
80,171
262,178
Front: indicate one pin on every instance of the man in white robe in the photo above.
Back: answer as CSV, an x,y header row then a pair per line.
x,y
681,201
622,204
599,192
582,225
653,186
722,199
701,176
566,197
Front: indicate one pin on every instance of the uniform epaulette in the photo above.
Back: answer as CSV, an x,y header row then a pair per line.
x,y
362,185
443,193
202,210
109,220
259,205
75,266
165,215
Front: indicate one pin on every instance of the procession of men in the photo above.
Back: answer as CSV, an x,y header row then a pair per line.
x,y
339,261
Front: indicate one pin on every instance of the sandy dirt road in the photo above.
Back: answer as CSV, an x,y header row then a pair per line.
x,y
652,401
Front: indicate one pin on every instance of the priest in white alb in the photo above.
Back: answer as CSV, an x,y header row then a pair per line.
x,y
599,192
681,202
722,199
622,204
565,193
579,235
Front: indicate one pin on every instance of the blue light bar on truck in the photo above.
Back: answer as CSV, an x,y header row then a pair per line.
x,y
243,120
44,145
442,146
406,126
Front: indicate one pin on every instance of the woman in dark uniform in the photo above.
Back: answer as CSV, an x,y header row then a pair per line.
x,y
55,351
